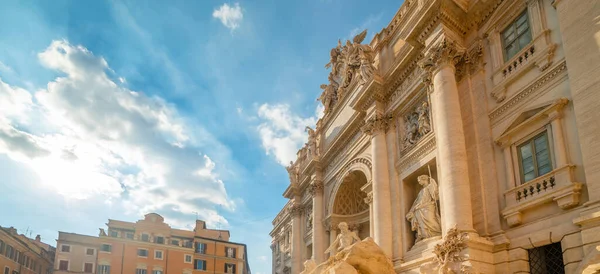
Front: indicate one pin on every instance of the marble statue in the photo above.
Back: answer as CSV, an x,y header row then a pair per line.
x,y
312,142
309,266
416,124
309,221
423,124
345,239
102,232
424,216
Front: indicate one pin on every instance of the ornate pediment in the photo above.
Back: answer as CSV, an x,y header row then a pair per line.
x,y
350,63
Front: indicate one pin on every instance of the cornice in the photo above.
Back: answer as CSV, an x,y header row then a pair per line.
x,y
422,148
349,131
502,110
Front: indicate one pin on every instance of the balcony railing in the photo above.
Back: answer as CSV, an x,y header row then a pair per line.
x,y
557,186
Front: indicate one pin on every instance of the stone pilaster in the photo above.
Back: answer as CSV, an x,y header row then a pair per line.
x,y
318,245
376,126
296,214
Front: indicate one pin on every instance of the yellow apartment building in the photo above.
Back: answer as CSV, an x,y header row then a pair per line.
x,y
150,246
22,255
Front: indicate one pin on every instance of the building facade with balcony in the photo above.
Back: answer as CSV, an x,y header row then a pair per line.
x,y
150,246
22,255
474,115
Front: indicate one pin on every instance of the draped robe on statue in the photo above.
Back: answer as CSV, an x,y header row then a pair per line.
x,y
424,216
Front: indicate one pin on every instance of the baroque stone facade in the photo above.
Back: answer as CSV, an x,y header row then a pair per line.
x,y
462,138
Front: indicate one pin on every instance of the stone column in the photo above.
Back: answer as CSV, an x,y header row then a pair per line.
x,y
579,21
376,126
296,213
369,201
560,149
318,246
510,171
451,158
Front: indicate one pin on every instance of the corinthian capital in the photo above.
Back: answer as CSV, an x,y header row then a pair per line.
x,y
296,210
446,52
377,124
315,187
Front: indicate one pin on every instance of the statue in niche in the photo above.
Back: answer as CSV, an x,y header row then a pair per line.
x,y
424,126
309,266
345,239
424,216
309,221
312,142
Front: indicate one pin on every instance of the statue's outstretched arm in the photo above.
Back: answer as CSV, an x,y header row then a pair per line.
x,y
334,244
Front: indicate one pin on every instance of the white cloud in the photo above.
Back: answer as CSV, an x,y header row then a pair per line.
x,y
370,24
283,132
5,68
230,16
93,138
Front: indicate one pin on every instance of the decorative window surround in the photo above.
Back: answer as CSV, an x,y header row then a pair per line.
x,y
539,53
556,185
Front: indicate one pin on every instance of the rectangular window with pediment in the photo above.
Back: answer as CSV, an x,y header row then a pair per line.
x,y
516,36
534,157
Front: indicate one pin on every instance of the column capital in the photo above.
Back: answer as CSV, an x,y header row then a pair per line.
x,y
445,53
296,210
369,198
378,123
315,188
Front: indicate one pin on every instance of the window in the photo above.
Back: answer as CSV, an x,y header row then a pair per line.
x,y
89,251
145,237
157,272
63,265
142,252
230,252
160,240
129,235
65,248
230,268
88,267
106,248
516,36
200,264
140,271
17,256
104,269
187,258
9,251
114,233
534,157
201,248
6,270
158,254
15,272
188,244
546,259
175,242
2,247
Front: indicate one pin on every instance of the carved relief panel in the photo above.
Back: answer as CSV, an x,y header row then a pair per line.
x,y
415,124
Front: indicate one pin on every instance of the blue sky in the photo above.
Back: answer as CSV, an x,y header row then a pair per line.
x,y
113,109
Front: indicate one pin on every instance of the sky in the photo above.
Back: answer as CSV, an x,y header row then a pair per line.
x,y
114,109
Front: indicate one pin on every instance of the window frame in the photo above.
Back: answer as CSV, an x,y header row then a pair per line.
x,y
88,249
529,140
232,264
128,234
65,245
109,248
162,253
185,256
92,269
5,270
196,264
110,233
174,240
141,271
138,252
68,264
156,240
513,25
98,271
142,237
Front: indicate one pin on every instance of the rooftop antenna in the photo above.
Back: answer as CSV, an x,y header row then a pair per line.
x,y
196,215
